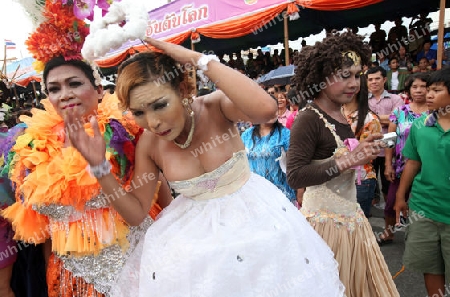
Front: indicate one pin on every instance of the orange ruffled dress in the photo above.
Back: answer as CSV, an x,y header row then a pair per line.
x,y
57,199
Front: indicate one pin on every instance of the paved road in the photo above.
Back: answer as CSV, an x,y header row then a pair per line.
x,y
409,284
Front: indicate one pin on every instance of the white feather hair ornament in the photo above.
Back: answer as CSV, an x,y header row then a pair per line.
x,y
107,33
34,9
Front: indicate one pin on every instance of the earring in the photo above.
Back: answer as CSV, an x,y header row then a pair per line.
x,y
187,104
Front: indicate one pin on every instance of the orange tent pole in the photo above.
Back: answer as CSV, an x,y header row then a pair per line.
x,y
286,39
440,50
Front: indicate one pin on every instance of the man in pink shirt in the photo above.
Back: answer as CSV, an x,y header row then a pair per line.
x,y
382,103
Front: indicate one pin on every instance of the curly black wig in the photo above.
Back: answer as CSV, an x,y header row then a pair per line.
x,y
316,63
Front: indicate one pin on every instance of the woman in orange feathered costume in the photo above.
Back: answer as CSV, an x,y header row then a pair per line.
x,y
59,199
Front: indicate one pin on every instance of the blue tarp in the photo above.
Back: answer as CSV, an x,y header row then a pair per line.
x,y
446,41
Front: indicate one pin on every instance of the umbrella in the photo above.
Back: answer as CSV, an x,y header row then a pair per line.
x,y
280,76
446,41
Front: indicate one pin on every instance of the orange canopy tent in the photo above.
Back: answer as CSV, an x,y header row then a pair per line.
x,y
22,72
225,20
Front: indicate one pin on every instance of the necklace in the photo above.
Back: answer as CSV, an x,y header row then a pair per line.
x,y
191,133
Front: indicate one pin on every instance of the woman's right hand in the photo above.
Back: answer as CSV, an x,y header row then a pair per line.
x,y
365,152
93,148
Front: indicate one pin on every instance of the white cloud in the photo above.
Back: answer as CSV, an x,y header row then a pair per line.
x,y
16,26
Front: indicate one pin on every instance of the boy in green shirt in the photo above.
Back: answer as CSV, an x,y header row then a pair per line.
x,y
427,148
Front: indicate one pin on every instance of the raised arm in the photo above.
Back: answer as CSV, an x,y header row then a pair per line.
x,y
244,100
133,202
241,99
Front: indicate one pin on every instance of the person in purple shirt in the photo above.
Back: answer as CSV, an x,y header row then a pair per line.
x,y
382,103
428,53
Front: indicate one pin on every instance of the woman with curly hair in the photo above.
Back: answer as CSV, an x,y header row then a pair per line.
x,y
323,154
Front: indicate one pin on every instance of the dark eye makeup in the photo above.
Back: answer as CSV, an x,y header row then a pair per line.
x,y
159,105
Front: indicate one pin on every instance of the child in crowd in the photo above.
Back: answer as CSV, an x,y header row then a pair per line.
x,y
427,247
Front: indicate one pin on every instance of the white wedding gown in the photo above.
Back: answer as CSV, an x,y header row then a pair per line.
x,y
230,233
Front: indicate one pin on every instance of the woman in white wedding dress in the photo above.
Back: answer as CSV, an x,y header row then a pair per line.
x,y
229,232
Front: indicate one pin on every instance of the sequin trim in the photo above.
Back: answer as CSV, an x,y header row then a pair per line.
x,y
55,211
101,270
338,220
59,212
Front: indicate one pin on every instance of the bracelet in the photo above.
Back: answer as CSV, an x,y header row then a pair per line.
x,y
202,63
100,170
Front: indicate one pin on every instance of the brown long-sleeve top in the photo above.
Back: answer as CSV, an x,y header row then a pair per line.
x,y
311,140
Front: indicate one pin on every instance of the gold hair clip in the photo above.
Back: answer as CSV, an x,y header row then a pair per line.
x,y
352,56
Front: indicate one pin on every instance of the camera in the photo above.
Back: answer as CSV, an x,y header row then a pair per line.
x,y
389,140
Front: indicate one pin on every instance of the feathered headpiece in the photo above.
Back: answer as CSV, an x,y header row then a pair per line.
x,y
34,9
60,34
62,29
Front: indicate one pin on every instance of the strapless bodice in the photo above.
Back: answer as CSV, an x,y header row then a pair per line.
x,y
337,195
334,200
224,180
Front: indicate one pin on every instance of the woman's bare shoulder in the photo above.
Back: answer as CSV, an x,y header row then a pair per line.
x,y
146,143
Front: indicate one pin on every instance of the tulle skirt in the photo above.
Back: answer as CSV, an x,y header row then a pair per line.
x,y
251,243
